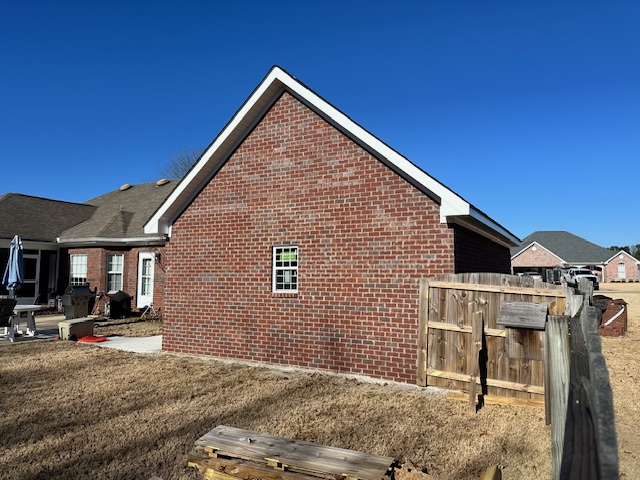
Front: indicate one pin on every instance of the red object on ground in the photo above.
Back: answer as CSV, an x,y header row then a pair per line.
x,y
92,339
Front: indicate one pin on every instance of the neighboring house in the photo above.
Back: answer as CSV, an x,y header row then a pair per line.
x,y
101,242
622,267
300,239
110,250
549,250
38,221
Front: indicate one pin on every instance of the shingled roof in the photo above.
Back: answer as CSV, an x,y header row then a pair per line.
x,y
39,219
567,246
119,216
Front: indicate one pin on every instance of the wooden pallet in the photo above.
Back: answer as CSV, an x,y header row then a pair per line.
x,y
228,453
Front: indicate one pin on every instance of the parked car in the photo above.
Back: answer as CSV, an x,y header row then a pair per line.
x,y
532,275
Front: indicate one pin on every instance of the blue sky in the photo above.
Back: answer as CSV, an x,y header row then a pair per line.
x,y
528,110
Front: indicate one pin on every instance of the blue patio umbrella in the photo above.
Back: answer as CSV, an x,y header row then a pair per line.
x,y
14,273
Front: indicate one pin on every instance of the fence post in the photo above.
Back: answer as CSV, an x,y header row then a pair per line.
x,y
477,330
601,397
559,351
423,308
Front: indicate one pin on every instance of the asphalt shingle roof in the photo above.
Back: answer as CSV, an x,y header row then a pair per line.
x,y
121,213
567,246
39,219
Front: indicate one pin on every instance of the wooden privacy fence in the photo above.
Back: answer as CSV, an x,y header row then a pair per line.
x,y
466,338
583,443
530,342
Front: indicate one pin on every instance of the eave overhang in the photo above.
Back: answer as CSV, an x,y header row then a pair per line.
x,y
453,208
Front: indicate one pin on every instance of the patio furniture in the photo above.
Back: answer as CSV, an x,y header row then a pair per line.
x,y
29,310
6,316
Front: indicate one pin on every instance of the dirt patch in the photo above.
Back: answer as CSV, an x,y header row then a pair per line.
x,y
623,362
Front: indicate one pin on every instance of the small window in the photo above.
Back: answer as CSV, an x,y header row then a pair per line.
x,y
78,270
285,269
115,269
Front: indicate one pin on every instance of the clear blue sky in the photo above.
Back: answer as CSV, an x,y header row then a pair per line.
x,y
528,110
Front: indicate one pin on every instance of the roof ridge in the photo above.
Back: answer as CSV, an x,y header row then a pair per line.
x,y
9,194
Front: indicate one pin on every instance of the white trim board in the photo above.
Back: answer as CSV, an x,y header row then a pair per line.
x,y
453,208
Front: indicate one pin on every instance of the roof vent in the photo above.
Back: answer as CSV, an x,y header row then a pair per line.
x,y
162,181
124,187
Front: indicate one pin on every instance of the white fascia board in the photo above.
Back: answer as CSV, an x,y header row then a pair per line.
x,y
622,252
158,223
111,241
482,218
31,245
451,204
536,244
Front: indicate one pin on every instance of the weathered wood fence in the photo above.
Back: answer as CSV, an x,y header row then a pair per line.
x,y
504,360
530,342
584,442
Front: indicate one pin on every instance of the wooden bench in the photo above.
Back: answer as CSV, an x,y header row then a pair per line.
x,y
228,453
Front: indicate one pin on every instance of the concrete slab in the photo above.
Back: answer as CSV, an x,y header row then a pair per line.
x,y
133,344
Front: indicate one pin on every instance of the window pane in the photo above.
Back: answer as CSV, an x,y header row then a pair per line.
x,y
285,269
115,263
78,269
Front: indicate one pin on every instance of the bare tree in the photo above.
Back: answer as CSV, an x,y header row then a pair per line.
x,y
179,163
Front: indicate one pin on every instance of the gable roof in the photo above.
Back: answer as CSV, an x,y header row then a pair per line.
x,y
39,219
621,252
119,217
453,208
527,247
570,248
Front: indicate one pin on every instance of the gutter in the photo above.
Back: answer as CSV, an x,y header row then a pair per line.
x,y
107,241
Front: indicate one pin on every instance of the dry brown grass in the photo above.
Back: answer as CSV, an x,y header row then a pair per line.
x,y
128,327
78,411
623,362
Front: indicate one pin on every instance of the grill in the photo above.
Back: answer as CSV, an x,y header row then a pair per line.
x,y
76,301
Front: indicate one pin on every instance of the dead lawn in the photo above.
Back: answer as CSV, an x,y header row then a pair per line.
x,y
79,411
623,362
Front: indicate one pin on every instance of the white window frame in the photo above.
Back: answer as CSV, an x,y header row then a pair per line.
x,y
78,269
284,273
111,273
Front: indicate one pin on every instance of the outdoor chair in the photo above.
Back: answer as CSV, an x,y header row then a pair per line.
x,y
6,316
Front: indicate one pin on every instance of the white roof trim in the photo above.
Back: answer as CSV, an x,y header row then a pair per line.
x,y
618,253
277,81
92,241
562,261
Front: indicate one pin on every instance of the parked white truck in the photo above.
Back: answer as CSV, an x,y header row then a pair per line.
x,y
574,275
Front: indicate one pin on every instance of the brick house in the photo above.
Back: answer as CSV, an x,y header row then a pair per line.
x,y
101,242
299,239
621,267
38,221
110,250
548,250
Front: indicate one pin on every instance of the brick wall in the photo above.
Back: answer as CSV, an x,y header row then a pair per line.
x,y
365,236
535,256
631,270
475,253
97,270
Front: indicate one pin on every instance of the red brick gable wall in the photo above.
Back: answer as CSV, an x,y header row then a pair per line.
x,y
536,256
611,272
365,238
